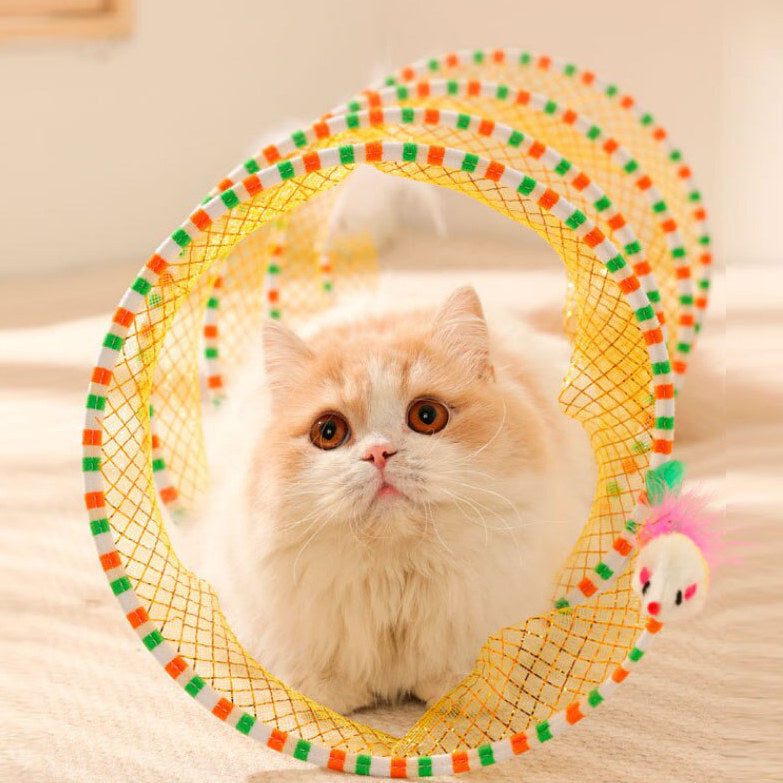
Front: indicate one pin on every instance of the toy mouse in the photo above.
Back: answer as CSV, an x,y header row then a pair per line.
x,y
678,544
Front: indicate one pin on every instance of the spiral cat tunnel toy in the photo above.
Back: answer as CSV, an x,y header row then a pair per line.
x,y
553,148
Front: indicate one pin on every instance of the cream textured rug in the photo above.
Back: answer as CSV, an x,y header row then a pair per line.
x,y
81,700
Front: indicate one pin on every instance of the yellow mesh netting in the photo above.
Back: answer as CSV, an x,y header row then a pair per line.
x,y
593,102
523,672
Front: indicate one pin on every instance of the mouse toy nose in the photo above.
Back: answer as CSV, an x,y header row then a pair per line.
x,y
379,454
653,607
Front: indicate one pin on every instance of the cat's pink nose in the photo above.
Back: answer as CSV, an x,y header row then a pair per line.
x,y
379,454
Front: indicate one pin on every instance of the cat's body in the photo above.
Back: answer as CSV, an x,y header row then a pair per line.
x,y
378,566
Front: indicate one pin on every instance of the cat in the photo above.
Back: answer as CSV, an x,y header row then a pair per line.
x,y
398,485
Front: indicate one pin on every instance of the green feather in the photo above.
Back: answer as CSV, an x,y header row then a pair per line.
x,y
668,476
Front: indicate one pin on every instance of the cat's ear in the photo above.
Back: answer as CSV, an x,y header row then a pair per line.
x,y
286,357
461,329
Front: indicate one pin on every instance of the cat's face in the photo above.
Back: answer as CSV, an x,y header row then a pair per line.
x,y
376,424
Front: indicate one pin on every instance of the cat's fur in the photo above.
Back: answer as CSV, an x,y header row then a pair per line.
x,y
351,597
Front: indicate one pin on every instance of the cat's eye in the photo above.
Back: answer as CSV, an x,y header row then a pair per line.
x,y
329,431
427,416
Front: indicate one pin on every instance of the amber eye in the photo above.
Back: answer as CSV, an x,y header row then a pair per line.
x,y
427,416
329,431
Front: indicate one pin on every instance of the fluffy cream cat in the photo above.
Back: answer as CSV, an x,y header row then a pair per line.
x,y
398,486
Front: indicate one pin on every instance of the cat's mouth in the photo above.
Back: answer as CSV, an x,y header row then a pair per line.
x,y
387,490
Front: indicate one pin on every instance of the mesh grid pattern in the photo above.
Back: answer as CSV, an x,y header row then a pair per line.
x,y
523,672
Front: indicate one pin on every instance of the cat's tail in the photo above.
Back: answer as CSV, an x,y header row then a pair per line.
x,y
373,202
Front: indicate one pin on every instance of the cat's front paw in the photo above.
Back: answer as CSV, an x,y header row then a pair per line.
x,y
335,694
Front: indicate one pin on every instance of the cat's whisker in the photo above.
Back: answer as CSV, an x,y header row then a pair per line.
x,y
521,554
310,518
327,519
458,501
492,492
437,532
497,432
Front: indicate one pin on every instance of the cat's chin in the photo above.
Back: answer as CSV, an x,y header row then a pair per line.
x,y
391,516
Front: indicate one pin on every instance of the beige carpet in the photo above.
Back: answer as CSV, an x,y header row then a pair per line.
x,y
81,700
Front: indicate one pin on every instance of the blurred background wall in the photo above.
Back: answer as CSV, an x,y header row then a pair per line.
x,y
105,145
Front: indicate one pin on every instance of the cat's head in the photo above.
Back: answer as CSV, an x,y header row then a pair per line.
x,y
378,421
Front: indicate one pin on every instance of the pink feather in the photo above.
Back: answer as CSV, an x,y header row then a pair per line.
x,y
686,513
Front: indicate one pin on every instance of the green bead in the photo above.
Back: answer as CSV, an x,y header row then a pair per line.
x,y
96,402
527,185
152,640
543,731
516,138
632,248
644,313
120,585
91,464
486,755
409,151
194,686
470,162
302,750
113,341
98,526
363,764
141,286
181,237
563,167
245,723
594,698
286,169
604,571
